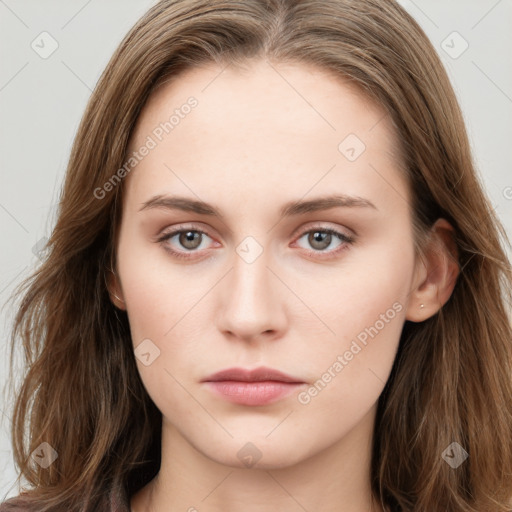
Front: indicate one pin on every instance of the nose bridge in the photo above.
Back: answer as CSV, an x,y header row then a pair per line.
x,y
251,304
250,276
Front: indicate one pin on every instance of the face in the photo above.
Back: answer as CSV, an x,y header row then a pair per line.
x,y
301,260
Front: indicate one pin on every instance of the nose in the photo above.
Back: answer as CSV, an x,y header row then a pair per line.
x,y
252,301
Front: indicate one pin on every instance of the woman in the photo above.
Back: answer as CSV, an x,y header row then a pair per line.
x,y
274,282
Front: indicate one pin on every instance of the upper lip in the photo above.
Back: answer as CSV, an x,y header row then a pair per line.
x,y
256,375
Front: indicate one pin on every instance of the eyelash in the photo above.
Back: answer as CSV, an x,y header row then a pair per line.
x,y
345,239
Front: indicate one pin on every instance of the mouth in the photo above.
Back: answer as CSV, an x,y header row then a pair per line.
x,y
260,386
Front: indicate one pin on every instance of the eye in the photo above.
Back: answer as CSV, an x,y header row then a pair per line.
x,y
181,241
320,239
184,242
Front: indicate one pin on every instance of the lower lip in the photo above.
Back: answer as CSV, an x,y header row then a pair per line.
x,y
253,393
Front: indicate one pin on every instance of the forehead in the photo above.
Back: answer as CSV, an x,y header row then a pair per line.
x,y
278,94
266,123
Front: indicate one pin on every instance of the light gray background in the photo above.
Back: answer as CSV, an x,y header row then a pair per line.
x,y
42,101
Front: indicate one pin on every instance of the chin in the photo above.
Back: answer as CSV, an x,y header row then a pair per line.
x,y
260,453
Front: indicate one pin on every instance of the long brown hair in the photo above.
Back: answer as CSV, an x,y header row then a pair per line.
x,y
452,377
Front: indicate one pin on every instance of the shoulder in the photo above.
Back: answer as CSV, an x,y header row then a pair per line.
x,y
14,505
115,500
18,504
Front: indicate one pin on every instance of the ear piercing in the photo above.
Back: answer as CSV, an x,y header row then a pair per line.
x,y
120,300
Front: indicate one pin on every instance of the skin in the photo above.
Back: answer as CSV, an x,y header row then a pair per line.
x,y
252,144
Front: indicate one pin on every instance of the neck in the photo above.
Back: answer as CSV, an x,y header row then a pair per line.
x,y
336,479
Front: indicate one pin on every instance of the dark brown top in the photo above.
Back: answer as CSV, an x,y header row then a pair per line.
x,y
116,501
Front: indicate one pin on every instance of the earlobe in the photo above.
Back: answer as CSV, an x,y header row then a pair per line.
x,y
437,275
114,290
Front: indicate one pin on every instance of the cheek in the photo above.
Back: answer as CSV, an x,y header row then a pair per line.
x,y
154,292
364,305
166,315
165,319
370,288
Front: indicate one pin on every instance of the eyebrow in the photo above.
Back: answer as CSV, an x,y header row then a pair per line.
x,y
298,207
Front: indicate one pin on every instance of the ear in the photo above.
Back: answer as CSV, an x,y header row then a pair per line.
x,y
436,273
115,291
